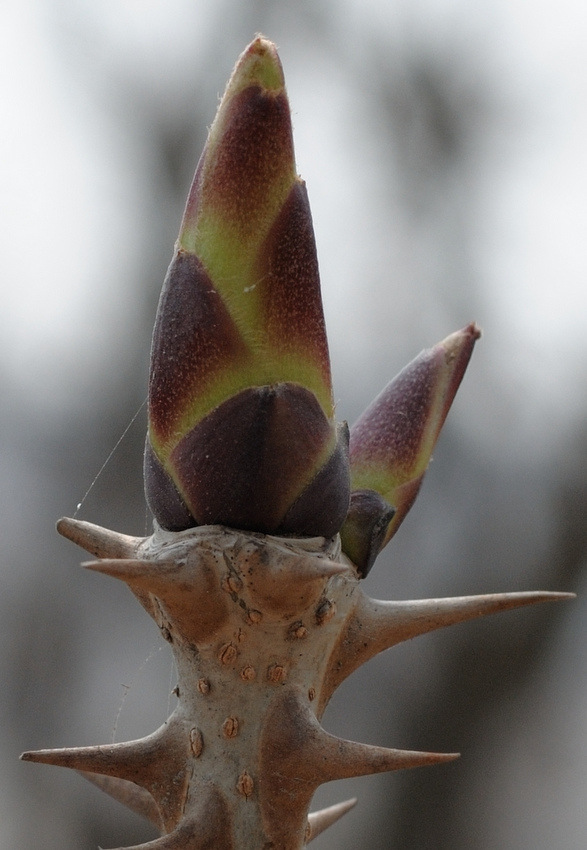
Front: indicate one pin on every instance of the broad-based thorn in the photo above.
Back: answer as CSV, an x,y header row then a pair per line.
x,y
376,625
101,542
135,798
180,586
321,820
150,575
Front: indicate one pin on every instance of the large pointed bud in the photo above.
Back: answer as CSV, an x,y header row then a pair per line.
x,y
241,417
392,442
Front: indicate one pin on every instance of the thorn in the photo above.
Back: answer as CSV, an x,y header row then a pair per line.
x,y
149,575
101,542
155,763
176,840
136,575
209,827
291,578
132,760
180,585
355,759
173,841
319,821
296,755
377,625
299,749
135,798
393,622
318,569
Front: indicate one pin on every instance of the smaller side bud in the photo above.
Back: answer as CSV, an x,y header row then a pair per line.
x,y
364,529
392,441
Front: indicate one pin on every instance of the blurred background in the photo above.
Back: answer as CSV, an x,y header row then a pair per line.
x,y
444,147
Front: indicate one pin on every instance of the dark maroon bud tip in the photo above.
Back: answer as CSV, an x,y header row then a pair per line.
x,y
248,462
363,532
320,510
163,497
